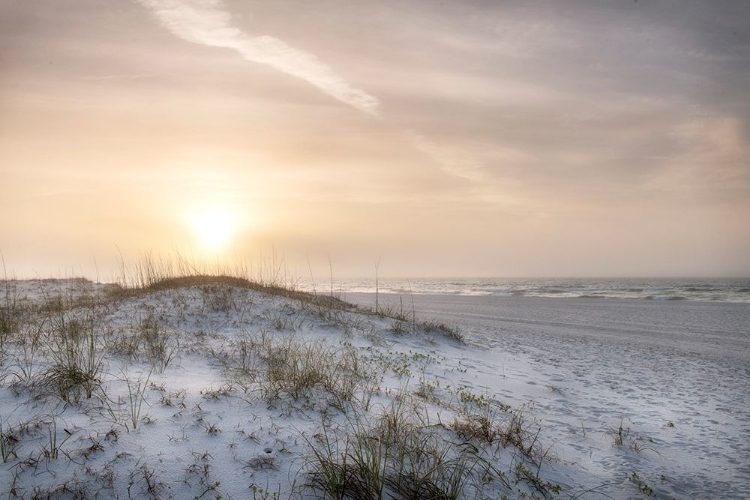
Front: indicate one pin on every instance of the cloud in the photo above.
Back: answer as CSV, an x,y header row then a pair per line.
x,y
712,157
206,22
117,77
452,162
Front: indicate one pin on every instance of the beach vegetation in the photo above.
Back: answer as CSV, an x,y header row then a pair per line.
x,y
396,455
620,434
76,359
284,360
136,397
643,487
10,308
8,442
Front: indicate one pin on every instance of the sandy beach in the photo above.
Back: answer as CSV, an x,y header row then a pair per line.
x,y
229,390
378,250
649,362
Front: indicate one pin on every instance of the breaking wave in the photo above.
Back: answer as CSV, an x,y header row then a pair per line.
x,y
708,290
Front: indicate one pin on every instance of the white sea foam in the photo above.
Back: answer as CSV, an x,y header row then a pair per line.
x,y
704,289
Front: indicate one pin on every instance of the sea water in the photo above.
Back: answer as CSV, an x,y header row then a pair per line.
x,y
695,289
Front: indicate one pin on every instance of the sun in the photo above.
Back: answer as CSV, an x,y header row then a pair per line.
x,y
213,226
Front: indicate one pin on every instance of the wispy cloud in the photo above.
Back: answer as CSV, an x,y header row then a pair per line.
x,y
451,161
117,77
207,22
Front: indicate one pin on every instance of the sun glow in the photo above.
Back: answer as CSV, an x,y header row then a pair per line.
x,y
213,226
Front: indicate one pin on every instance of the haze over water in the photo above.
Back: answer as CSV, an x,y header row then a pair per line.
x,y
695,289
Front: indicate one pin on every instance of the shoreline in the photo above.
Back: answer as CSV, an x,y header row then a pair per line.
x,y
682,362
613,397
689,323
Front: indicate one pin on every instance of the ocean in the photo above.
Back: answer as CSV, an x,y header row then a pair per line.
x,y
694,289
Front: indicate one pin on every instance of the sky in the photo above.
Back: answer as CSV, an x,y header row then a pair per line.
x,y
439,138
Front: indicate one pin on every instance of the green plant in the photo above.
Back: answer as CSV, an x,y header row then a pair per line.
x,y
443,329
201,468
136,398
217,298
244,347
27,347
523,474
216,394
643,487
297,368
490,421
8,442
620,434
146,476
54,445
8,326
466,396
212,429
161,346
395,456
77,361
9,309
264,493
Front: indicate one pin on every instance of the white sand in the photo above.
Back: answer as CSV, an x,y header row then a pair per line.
x,y
650,362
575,367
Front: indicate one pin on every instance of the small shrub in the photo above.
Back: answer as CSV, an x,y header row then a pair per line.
x,y
212,394
444,330
8,325
244,347
399,327
54,444
212,429
297,368
161,346
28,345
493,422
217,298
523,474
77,361
9,309
145,476
619,435
643,487
8,442
262,462
395,457
136,398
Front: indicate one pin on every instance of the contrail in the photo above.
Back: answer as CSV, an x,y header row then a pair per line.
x,y
207,22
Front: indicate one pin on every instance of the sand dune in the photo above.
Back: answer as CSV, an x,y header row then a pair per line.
x,y
216,389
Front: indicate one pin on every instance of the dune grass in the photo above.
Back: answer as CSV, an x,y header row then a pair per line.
x,y
112,357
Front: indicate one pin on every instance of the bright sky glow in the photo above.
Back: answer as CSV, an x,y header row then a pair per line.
x,y
471,138
213,227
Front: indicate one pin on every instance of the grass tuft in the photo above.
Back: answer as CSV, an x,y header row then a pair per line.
x,y
395,456
77,360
